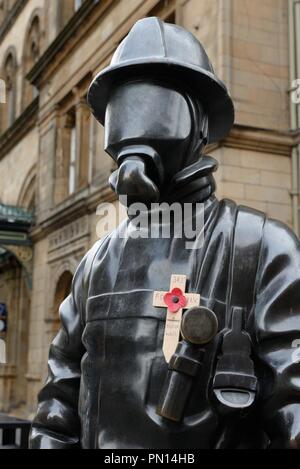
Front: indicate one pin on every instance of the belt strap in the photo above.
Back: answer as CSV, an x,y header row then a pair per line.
x,y
245,259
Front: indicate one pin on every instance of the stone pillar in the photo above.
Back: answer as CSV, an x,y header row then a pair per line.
x,y
83,116
46,165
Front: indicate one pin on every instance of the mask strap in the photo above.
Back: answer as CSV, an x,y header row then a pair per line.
x,y
199,137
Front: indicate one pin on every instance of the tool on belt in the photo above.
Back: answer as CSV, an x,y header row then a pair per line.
x,y
199,326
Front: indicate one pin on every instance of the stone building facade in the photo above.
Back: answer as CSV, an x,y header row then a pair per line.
x,y
52,160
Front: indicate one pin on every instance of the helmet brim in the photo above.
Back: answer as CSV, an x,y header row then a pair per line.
x,y
211,92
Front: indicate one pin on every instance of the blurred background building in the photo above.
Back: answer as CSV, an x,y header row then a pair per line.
x,y
53,170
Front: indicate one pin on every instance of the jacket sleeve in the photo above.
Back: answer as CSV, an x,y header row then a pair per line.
x,y
277,335
56,425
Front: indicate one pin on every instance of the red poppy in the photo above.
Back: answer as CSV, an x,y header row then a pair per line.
x,y
175,300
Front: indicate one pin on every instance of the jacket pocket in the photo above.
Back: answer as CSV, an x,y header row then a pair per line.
x,y
124,305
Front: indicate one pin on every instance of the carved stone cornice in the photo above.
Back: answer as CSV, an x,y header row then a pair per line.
x,y
25,122
69,234
261,140
72,209
11,17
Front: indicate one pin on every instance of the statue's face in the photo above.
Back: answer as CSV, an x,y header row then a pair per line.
x,y
148,127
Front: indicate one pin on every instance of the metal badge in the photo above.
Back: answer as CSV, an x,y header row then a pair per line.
x,y
199,325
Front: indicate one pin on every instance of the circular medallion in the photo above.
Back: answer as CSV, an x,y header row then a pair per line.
x,y
199,325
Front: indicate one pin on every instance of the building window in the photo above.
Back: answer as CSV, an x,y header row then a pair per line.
x,y
73,158
10,101
66,157
31,55
8,109
72,153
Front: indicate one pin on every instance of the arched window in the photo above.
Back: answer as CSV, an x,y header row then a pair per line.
x,y
8,109
32,54
27,194
62,291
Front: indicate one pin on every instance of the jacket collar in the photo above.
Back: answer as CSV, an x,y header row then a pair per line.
x,y
194,183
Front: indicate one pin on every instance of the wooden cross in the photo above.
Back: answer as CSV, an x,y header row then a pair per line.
x,y
174,318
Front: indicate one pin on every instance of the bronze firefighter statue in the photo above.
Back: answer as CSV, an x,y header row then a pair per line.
x,y
164,346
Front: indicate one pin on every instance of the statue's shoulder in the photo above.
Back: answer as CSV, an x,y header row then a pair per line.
x,y
274,232
251,213
280,237
247,215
